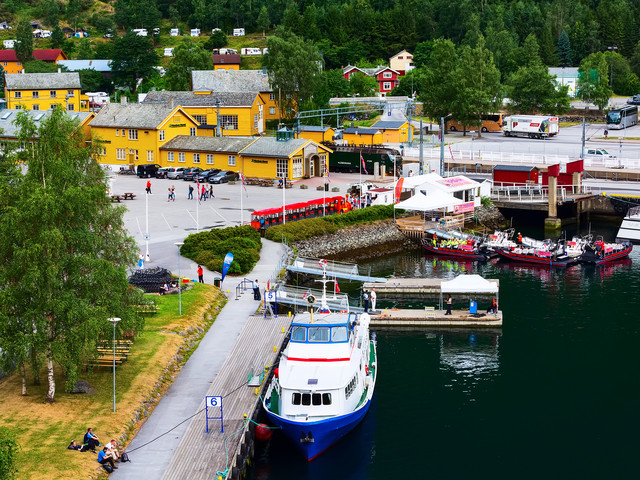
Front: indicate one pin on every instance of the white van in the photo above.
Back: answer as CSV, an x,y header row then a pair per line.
x,y
195,32
228,51
141,32
215,30
251,51
238,32
174,32
168,52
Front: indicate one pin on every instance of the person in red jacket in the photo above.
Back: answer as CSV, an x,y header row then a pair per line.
x,y
149,187
200,274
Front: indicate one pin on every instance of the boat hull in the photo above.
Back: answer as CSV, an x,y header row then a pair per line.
x,y
324,433
593,258
454,252
534,259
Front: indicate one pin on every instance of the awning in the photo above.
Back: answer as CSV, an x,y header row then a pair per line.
x,y
434,201
468,284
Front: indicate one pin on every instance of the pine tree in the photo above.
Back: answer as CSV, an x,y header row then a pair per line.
x,y
564,50
24,42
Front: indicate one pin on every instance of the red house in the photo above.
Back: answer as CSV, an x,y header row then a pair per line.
x,y
387,78
510,175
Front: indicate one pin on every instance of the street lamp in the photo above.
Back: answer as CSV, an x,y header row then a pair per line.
x,y
611,49
114,321
179,244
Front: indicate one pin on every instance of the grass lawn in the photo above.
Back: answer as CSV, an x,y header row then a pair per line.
x,y
44,431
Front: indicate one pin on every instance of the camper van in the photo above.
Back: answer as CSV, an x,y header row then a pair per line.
x,y
141,32
168,52
174,32
195,32
228,51
238,32
97,98
250,51
9,44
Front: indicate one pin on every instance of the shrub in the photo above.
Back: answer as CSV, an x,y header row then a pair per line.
x,y
8,450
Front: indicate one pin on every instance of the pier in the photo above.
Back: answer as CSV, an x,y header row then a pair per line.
x,y
407,288
432,317
313,266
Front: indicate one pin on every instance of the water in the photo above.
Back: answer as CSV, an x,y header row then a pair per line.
x,y
554,394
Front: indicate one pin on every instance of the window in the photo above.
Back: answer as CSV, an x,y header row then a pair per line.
x,y
282,168
53,105
297,167
133,134
122,132
306,399
150,156
349,389
36,107
386,75
386,86
192,131
18,95
70,92
4,63
169,156
71,107
196,158
209,158
319,334
400,57
232,160
272,96
120,154
229,122
316,399
19,63
161,135
181,157
296,398
272,110
298,334
201,119
256,120
326,399
339,334
117,132
35,94
53,94
135,152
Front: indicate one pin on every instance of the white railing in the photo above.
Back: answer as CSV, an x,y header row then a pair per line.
x,y
533,193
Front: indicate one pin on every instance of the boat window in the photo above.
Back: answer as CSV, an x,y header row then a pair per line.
x,y
316,399
298,334
306,399
296,399
326,399
339,334
319,334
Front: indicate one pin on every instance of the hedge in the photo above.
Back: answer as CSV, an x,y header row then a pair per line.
x,y
209,248
312,227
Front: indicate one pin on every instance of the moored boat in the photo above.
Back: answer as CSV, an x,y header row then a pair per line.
x,y
469,250
600,252
552,258
630,227
325,380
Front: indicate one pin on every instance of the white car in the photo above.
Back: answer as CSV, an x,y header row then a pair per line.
x,y
597,153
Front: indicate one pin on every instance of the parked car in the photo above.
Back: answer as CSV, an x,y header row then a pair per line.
x,y
147,171
635,100
594,153
190,174
175,173
223,177
204,175
162,172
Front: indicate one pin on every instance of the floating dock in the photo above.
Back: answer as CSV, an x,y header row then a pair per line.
x,y
403,288
398,318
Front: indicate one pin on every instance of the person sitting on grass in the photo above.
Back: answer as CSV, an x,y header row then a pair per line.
x,y
74,446
91,440
105,457
111,448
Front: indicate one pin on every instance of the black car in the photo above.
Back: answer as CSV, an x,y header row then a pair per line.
x,y
204,175
223,177
162,172
147,170
635,100
190,174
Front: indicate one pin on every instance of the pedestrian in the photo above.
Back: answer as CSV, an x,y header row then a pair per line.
x,y
173,193
256,290
211,195
190,197
365,297
200,274
203,195
148,187
449,302
411,173
606,133
519,237
169,196
141,260
374,297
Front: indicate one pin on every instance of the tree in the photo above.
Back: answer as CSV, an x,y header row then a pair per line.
x,y
363,85
93,81
24,41
84,51
263,20
64,248
9,448
187,56
218,39
593,80
137,14
532,90
57,37
439,83
564,50
133,59
294,67
40,66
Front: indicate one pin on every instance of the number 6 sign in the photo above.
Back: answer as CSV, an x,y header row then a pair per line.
x,y
213,402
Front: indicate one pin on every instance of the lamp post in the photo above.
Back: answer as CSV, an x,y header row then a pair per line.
x,y
611,49
179,244
114,321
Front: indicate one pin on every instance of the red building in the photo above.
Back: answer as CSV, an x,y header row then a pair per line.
x,y
387,78
510,175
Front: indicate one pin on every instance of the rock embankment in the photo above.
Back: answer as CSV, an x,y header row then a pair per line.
x,y
359,241
491,218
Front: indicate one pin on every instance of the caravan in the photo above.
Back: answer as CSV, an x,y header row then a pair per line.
x,y
238,32
174,32
195,32
251,51
141,32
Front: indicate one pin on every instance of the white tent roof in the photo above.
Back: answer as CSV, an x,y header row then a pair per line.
x,y
413,182
468,284
434,201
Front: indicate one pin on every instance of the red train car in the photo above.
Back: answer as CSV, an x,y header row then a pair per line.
x,y
261,219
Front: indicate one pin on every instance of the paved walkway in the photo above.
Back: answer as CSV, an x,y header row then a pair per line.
x,y
185,395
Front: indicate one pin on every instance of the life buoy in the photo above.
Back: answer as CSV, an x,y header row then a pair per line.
x,y
366,369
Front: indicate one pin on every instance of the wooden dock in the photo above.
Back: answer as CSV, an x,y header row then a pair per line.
x,y
398,288
394,318
200,455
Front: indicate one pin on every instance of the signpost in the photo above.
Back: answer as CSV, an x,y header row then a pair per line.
x,y
213,402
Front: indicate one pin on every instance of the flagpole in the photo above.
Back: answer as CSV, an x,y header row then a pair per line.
x,y
361,160
324,194
284,187
241,202
197,209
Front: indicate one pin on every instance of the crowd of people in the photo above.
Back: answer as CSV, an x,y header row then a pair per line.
x,y
108,455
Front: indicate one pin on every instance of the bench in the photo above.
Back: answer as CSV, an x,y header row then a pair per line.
x,y
129,196
105,361
116,198
147,309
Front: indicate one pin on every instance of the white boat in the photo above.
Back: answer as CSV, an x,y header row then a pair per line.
x,y
325,380
630,227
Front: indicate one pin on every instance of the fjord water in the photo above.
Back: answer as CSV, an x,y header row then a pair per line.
x,y
555,393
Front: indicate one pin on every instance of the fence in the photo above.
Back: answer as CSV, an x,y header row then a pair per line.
x,y
532,192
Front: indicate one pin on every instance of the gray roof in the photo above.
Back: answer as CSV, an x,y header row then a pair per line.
x,y
313,128
132,115
270,147
361,131
229,81
8,116
191,99
97,65
514,168
564,72
42,81
207,144
389,124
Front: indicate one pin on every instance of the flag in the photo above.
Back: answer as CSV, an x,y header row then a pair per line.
x,y
337,286
364,167
398,190
198,188
243,184
226,264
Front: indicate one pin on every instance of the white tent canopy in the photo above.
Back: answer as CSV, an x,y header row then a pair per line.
x,y
435,200
469,284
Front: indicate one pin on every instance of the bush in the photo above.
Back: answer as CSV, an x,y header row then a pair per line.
x,y
8,450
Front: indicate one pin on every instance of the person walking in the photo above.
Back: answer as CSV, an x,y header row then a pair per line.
x,y
449,302
148,189
190,197
200,274
203,194
141,260
169,195
365,297
374,297
256,290
211,195
173,193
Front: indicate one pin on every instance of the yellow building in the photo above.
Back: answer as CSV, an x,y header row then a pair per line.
x,y
402,62
11,64
393,131
204,152
316,133
241,114
218,81
362,136
44,91
132,134
228,61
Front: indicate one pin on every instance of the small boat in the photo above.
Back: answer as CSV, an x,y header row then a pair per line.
x,y
499,238
325,380
551,258
600,252
630,227
452,248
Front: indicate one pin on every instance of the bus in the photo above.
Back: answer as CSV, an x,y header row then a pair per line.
x,y
622,117
491,122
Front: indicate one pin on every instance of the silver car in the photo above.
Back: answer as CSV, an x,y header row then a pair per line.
x,y
175,173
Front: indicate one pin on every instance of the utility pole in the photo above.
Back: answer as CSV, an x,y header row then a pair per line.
x,y
583,139
442,146
421,169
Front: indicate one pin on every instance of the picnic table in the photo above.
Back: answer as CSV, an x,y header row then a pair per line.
x,y
116,198
129,196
